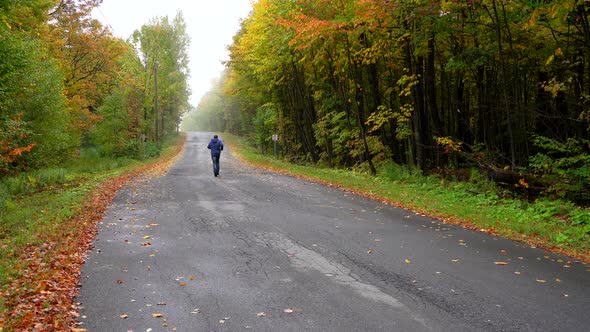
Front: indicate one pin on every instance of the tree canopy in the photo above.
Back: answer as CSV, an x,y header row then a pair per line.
x,y
66,83
429,84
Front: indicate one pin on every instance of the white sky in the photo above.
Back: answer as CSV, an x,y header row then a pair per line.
x,y
211,25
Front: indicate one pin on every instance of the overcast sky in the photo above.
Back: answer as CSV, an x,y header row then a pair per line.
x,y
211,25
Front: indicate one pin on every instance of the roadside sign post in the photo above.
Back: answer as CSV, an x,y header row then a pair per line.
x,y
275,138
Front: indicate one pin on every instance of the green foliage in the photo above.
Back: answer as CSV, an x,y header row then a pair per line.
x,y
265,124
162,46
564,165
31,88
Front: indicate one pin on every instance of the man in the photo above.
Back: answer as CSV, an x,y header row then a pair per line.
x,y
216,146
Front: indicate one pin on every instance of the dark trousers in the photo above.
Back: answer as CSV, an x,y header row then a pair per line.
x,y
215,158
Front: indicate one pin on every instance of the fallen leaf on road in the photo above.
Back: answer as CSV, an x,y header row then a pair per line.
x,y
192,277
557,280
196,311
124,316
221,321
183,284
370,251
119,281
147,237
377,240
408,261
157,315
260,314
516,272
288,311
454,260
503,251
146,244
541,280
501,263
161,303
153,225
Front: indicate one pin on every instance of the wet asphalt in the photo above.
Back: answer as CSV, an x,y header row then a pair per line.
x,y
257,251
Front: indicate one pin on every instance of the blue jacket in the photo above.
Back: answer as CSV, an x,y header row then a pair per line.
x,y
216,146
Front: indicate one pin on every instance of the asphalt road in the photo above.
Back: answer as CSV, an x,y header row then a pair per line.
x,y
256,251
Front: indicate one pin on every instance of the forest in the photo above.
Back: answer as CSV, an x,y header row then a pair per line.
x,y
69,87
437,86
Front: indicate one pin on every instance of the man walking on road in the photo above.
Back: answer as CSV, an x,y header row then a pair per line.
x,y
216,146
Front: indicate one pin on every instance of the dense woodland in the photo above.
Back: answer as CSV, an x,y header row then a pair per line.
x,y
503,86
67,85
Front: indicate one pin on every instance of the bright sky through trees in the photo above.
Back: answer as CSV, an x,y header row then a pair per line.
x,y
211,26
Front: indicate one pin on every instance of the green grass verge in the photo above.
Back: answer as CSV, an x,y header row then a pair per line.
x,y
556,225
33,206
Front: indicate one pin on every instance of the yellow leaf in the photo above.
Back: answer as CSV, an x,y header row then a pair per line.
x,y
147,237
408,261
557,280
541,280
192,277
124,316
157,315
501,263
559,51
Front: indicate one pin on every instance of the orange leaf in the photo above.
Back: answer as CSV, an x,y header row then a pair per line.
x,y
158,315
501,263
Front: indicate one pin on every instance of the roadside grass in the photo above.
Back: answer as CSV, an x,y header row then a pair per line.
x,y
41,207
555,225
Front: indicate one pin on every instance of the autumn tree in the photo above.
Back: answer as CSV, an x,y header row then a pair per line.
x,y
162,46
88,55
